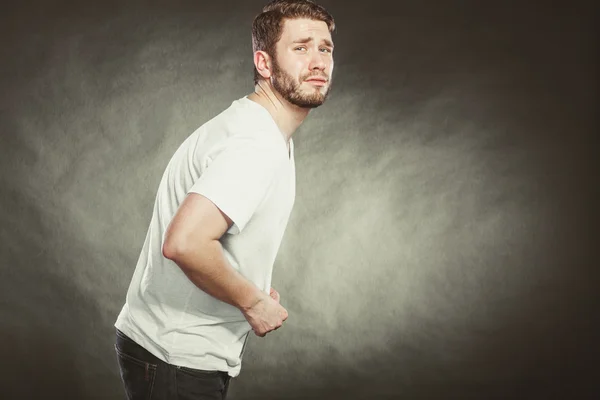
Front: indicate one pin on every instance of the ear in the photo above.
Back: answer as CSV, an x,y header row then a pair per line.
x,y
262,62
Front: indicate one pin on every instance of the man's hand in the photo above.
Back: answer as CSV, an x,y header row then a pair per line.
x,y
266,314
275,295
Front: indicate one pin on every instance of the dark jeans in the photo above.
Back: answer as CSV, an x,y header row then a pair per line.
x,y
146,377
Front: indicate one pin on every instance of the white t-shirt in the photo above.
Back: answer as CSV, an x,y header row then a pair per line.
x,y
240,161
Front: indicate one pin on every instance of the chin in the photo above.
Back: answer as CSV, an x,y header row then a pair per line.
x,y
307,99
309,103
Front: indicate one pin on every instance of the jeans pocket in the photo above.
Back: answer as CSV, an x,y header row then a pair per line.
x,y
137,375
200,384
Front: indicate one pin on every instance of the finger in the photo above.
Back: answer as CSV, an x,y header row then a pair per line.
x,y
258,332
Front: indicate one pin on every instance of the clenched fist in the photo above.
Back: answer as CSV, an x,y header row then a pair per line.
x,y
266,314
275,295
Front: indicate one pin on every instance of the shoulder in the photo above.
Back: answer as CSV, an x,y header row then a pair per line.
x,y
248,129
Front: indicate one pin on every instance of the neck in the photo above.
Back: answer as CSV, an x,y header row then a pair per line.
x,y
287,116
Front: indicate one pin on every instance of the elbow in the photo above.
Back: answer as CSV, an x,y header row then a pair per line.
x,y
181,248
172,249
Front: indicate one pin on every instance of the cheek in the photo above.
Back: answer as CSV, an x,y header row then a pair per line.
x,y
301,66
299,70
329,68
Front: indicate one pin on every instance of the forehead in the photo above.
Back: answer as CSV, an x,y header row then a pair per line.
x,y
294,29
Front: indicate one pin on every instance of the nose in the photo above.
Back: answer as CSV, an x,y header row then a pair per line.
x,y
318,62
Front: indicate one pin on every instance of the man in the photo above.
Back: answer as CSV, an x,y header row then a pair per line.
x,y
202,281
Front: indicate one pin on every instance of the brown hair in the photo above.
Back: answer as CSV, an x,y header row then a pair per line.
x,y
268,25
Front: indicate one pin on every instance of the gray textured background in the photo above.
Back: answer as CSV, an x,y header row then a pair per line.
x,y
441,243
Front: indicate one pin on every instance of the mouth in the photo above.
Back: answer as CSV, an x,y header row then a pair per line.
x,y
317,81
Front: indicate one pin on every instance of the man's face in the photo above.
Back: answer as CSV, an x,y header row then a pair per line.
x,y
303,63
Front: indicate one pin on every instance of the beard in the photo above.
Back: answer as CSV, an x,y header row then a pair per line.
x,y
290,89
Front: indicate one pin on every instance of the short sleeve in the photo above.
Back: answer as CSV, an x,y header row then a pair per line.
x,y
238,177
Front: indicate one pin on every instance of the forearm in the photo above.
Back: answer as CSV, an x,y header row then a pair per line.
x,y
206,266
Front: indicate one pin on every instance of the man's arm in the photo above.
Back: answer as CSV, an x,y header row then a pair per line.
x,y
192,242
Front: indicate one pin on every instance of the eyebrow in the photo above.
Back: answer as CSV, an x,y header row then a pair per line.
x,y
310,39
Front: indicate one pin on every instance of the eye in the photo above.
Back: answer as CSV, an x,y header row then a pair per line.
x,y
325,50
300,48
